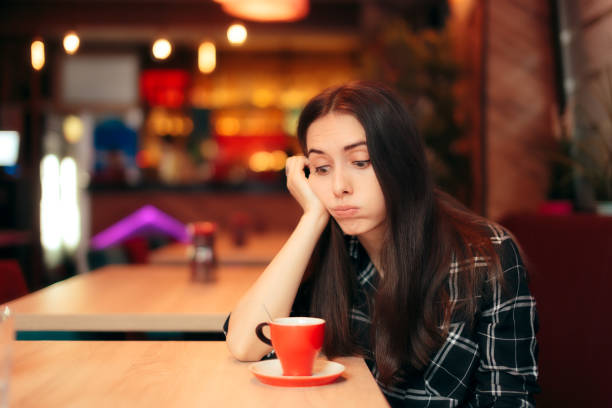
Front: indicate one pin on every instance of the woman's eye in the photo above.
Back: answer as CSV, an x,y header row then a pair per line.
x,y
362,164
321,169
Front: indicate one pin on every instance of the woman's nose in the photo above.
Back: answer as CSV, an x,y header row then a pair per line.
x,y
341,183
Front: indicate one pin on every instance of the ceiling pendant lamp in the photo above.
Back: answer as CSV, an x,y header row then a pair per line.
x,y
266,10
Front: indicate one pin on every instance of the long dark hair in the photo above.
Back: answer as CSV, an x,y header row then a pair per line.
x,y
426,230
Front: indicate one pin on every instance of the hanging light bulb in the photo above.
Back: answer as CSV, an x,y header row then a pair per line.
x,y
37,53
207,59
71,42
236,34
161,49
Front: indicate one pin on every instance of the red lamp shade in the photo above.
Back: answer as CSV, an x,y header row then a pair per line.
x,y
267,10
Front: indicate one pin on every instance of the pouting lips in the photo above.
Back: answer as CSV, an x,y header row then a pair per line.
x,y
344,211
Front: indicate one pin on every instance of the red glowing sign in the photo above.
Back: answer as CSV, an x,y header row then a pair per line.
x,y
164,87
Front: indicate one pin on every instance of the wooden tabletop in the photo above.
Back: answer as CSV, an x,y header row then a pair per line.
x,y
259,249
166,374
135,298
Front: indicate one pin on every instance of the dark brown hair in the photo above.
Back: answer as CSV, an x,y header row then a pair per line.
x,y
427,230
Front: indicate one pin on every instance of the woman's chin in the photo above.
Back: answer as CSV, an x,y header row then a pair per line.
x,y
358,227
350,227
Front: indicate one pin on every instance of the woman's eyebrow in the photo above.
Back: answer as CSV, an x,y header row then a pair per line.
x,y
314,151
345,148
354,145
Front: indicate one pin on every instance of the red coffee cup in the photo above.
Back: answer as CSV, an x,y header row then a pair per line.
x,y
296,340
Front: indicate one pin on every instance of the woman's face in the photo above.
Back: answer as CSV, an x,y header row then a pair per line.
x,y
342,176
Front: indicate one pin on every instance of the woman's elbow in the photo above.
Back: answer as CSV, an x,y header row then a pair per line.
x,y
240,349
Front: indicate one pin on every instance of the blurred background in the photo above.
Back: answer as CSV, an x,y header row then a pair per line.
x,y
191,106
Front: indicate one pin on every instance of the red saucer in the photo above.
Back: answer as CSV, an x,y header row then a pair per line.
x,y
270,372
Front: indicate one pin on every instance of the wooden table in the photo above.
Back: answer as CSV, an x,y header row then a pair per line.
x,y
166,374
259,249
135,298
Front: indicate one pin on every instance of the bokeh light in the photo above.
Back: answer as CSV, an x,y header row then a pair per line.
x,y
37,53
70,214
262,97
73,129
236,34
227,126
161,49
71,42
50,205
260,161
207,58
278,160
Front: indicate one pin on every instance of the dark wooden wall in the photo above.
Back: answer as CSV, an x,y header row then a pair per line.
x,y
519,103
595,24
467,25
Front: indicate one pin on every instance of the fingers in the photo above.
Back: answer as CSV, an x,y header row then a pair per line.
x,y
294,167
298,185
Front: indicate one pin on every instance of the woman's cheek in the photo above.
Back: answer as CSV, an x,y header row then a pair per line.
x,y
316,187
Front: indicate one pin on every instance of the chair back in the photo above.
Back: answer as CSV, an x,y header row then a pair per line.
x,y
12,283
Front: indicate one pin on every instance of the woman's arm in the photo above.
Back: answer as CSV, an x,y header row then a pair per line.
x,y
277,286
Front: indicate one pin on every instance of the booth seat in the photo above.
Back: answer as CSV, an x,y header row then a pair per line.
x,y
569,258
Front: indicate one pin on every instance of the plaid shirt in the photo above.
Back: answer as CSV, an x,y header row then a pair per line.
x,y
492,364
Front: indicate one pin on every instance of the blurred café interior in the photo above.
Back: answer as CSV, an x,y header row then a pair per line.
x,y
125,123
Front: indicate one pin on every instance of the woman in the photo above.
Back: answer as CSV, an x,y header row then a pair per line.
x,y
432,296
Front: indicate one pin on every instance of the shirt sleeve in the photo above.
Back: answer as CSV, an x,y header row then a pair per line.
x,y
506,334
226,325
268,356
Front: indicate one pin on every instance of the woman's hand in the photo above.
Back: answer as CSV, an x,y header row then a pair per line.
x,y
298,186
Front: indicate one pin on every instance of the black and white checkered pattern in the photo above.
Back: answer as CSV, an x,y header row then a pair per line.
x,y
493,363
